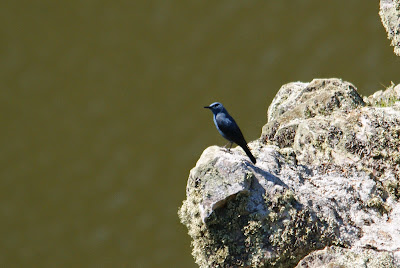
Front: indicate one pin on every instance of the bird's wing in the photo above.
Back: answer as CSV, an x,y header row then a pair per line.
x,y
231,131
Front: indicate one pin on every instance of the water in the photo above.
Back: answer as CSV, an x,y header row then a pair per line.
x,y
102,116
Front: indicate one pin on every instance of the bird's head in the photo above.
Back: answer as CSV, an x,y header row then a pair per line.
x,y
216,107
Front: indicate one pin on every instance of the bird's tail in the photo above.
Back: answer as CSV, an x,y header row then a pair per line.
x,y
249,154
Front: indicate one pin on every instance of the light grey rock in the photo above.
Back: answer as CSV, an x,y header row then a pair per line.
x,y
327,175
390,17
331,257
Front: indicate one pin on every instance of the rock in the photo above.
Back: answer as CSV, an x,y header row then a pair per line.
x,y
345,258
315,120
390,17
327,176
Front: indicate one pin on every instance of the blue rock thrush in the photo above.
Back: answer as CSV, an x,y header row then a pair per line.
x,y
228,128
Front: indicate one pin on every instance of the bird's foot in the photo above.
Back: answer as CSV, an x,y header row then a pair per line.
x,y
230,145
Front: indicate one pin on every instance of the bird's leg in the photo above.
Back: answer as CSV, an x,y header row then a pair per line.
x,y
230,146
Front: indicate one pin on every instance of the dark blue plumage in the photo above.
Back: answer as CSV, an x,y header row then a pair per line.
x,y
228,128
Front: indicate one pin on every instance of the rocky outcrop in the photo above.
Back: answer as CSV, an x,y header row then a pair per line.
x,y
325,189
390,17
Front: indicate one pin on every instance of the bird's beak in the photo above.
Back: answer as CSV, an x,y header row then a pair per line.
x,y
208,107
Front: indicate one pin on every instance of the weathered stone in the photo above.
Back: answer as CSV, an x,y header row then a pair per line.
x,y
327,174
390,17
346,258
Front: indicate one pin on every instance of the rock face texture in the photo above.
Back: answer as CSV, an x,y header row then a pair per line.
x,y
331,257
390,17
324,192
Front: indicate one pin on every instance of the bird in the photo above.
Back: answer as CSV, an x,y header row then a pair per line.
x,y
228,128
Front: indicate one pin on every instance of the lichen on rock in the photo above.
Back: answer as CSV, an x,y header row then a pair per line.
x,y
327,175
